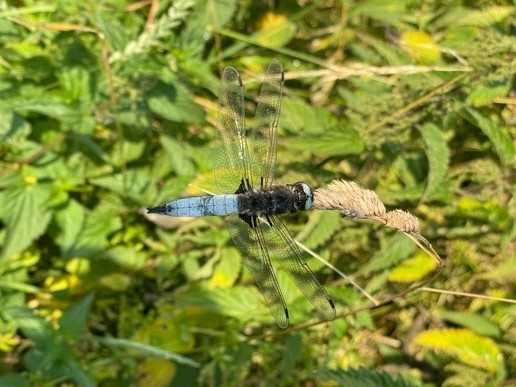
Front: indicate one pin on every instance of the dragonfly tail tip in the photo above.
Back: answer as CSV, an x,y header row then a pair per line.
x,y
157,210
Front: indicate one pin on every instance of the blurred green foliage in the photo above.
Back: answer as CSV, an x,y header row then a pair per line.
x,y
108,107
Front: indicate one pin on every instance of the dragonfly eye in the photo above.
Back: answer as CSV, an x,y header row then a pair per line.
x,y
303,196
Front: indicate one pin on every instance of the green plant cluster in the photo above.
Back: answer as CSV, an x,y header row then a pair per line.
x,y
108,107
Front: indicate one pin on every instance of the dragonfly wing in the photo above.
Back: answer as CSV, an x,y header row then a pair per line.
x,y
231,154
251,243
283,249
263,138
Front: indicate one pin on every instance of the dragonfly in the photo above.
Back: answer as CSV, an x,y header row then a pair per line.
x,y
244,165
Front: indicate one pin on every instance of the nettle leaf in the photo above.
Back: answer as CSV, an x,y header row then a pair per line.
x,y
24,213
320,228
467,346
395,248
174,102
438,156
365,378
499,138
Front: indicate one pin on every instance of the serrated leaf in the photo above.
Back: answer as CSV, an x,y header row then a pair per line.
x,y
364,378
395,248
24,213
438,156
320,228
500,139
73,322
467,346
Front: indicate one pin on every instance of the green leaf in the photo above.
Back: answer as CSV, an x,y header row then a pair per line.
x,y
291,354
438,156
146,349
299,117
25,215
478,324
395,248
13,128
485,17
320,228
278,34
500,139
14,380
467,346
238,302
70,221
115,33
174,102
227,270
73,322
336,143
413,269
363,378
483,95
390,11
178,155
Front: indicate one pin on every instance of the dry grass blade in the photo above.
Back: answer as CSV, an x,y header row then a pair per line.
x,y
355,202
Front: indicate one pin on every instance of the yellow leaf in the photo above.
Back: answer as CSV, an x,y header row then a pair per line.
x,y
421,47
413,269
155,372
467,346
275,30
227,270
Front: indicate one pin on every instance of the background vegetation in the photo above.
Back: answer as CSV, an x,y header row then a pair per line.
x,y
108,107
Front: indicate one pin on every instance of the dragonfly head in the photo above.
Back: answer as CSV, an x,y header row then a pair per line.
x,y
303,196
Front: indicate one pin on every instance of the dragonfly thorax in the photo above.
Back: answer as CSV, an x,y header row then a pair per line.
x,y
276,200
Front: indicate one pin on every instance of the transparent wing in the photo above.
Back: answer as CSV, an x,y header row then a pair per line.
x,y
283,249
231,154
252,246
263,138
